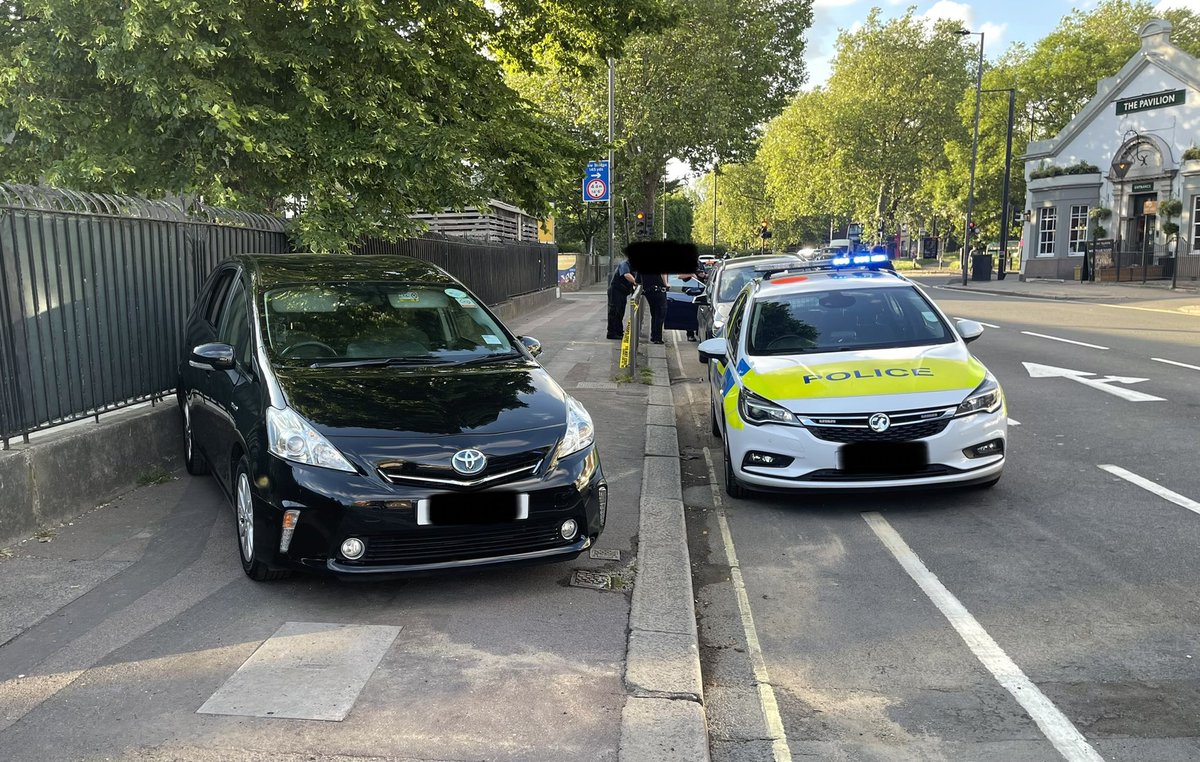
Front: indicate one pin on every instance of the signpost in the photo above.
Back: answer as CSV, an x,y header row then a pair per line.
x,y
595,182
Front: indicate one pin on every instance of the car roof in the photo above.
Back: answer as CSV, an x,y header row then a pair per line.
x,y
269,270
757,261
804,280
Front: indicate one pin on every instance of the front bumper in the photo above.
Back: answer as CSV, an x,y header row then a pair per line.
x,y
334,506
816,463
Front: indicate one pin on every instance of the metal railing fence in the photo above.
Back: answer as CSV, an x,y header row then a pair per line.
x,y
94,290
494,271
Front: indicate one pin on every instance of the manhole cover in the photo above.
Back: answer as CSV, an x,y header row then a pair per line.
x,y
590,579
604,554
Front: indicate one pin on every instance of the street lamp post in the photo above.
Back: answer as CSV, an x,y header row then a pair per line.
x,y
1005,215
974,155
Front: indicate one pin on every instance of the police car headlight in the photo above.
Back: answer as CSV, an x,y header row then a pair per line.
x,y
580,433
758,410
986,397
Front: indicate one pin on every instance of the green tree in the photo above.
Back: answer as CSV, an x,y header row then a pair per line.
x,y
862,146
363,110
697,90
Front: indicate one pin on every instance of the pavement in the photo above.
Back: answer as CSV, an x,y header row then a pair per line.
x,y
1152,295
130,632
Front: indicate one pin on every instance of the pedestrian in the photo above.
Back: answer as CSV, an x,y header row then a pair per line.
x,y
655,285
701,278
620,286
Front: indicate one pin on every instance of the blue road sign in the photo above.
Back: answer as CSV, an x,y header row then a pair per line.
x,y
595,181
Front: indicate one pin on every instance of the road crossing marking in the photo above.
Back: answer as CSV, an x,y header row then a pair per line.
x,y
1155,487
1065,341
1065,737
766,691
1172,362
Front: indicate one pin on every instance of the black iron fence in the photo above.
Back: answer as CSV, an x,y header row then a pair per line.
x,y
494,271
94,290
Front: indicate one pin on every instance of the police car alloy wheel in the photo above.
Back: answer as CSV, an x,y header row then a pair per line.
x,y
852,379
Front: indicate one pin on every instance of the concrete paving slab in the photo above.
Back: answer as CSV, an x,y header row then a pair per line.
x,y
305,671
660,415
32,589
661,395
662,730
660,478
661,440
666,664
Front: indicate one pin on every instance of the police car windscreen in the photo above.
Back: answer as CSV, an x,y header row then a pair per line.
x,y
839,321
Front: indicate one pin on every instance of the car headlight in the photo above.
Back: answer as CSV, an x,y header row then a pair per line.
x,y
580,433
986,397
292,438
758,410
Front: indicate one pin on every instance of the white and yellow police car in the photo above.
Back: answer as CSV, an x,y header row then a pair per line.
x,y
851,379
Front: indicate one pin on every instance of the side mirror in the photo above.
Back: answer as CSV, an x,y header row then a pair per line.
x,y
533,345
713,349
214,356
693,290
969,330
700,298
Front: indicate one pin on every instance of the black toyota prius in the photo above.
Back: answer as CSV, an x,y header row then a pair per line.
x,y
370,415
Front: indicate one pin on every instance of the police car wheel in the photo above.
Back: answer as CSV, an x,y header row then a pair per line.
x,y
733,487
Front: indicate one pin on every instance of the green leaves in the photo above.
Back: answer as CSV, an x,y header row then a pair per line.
x,y
356,113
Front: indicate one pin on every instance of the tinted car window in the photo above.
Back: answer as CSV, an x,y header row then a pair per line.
x,y
353,321
825,321
732,282
216,296
735,324
235,326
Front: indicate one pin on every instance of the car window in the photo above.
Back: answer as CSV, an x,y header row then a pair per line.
x,y
829,321
216,297
234,328
732,282
735,324
350,321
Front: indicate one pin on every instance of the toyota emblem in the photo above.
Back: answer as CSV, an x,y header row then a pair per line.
x,y
879,423
468,462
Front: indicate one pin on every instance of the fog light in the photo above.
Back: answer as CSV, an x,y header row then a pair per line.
x,y
289,527
766,460
993,447
353,548
602,498
569,529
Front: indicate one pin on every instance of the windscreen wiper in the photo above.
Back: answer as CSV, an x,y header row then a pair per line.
x,y
380,361
490,358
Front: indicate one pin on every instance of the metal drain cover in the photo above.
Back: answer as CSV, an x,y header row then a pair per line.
x,y
590,579
605,554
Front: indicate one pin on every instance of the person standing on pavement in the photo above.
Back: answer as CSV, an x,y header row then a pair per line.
x,y
655,285
620,286
701,278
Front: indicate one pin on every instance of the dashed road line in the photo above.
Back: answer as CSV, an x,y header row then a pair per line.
x,y
986,325
1172,362
1155,487
1065,341
1059,730
762,679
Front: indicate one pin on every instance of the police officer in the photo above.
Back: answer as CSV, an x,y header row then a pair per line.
x,y
620,286
655,285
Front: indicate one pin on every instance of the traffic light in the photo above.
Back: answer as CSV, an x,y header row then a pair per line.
x,y
639,227
1018,216
973,230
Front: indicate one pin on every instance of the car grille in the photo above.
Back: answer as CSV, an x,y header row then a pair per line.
x,y
500,469
906,426
834,475
440,544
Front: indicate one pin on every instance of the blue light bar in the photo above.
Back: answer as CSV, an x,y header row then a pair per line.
x,y
840,261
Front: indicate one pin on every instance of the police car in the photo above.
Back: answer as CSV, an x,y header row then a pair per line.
x,y
849,377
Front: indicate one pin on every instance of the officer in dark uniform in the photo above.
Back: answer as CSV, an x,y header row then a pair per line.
x,y
655,286
620,286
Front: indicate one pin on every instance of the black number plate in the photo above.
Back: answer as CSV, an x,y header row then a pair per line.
x,y
890,458
475,508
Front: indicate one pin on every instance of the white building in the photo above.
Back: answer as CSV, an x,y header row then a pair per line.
x,y
1133,134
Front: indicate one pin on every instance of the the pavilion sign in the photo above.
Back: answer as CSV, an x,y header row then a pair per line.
x,y
1153,100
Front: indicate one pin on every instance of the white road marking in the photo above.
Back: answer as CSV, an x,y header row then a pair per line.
x,y
766,692
987,325
1105,384
1065,341
1065,737
1156,488
1172,362
687,387
1013,422
1066,301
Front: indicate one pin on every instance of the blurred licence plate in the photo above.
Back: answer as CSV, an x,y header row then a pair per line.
x,y
884,457
473,508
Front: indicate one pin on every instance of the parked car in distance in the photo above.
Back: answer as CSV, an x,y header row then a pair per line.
x,y
681,307
724,284
369,415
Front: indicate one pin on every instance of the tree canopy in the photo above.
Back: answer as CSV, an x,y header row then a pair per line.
x,y
357,112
